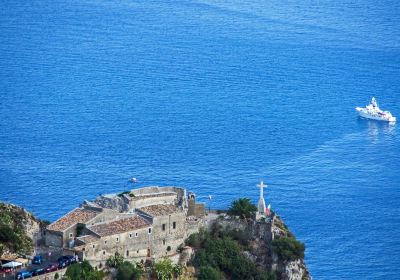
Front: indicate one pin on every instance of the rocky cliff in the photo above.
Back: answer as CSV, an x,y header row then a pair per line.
x,y
267,243
18,230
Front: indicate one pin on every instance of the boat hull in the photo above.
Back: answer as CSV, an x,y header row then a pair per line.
x,y
365,115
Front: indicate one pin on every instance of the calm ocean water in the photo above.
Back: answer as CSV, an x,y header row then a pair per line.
x,y
215,96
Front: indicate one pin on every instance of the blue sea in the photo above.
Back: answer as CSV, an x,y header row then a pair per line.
x,y
214,96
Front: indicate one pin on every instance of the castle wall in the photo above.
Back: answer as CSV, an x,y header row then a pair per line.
x,y
54,239
196,209
106,215
129,245
143,201
173,235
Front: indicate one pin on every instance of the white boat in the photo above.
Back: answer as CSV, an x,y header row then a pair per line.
x,y
372,111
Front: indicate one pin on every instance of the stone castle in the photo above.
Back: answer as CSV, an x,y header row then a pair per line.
x,y
141,224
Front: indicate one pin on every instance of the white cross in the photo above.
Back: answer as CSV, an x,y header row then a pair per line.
x,y
261,186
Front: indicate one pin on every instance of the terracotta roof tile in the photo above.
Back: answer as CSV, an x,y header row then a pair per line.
x,y
119,226
78,215
160,209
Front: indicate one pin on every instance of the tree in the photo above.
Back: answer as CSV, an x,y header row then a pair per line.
x,y
164,269
266,276
129,271
79,229
288,248
243,208
83,271
115,261
209,273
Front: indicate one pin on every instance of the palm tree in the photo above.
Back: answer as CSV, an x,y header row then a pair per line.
x,y
243,208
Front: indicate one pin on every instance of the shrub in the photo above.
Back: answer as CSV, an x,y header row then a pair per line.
x,y
164,269
79,229
195,240
218,252
45,222
209,273
83,271
56,276
129,271
177,270
266,276
288,248
242,208
115,261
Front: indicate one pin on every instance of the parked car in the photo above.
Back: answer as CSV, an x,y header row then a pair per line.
x,y
65,261
71,259
37,259
5,270
23,275
38,271
51,267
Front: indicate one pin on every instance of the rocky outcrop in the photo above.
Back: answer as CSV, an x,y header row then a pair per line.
x,y
294,270
286,269
261,250
19,230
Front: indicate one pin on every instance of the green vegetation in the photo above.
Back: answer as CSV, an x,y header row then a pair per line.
x,y
45,223
218,253
165,270
83,271
209,273
282,226
129,271
79,229
12,229
115,261
242,208
126,192
288,248
122,194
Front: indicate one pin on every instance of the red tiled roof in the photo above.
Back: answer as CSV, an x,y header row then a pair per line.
x,y
119,226
160,209
78,215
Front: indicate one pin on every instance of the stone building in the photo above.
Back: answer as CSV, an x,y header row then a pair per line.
x,y
145,223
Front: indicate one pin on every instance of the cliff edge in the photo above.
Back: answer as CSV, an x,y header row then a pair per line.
x,y
245,248
18,230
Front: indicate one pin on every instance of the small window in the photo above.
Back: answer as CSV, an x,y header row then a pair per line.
x,y
105,241
136,234
117,239
127,253
174,225
149,230
163,227
83,249
163,242
104,252
70,235
94,246
130,235
137,251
